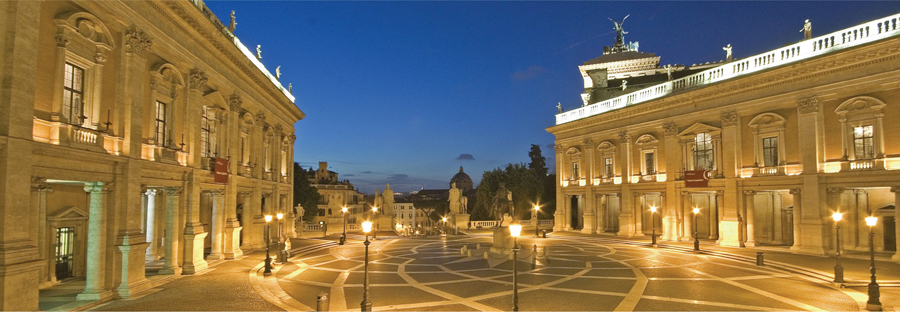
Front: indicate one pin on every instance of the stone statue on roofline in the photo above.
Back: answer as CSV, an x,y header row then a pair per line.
x,y
259,52
620,32
232,24
728,56
807,30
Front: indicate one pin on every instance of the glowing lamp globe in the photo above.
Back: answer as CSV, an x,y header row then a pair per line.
x,y
837,216
374,209
280,216
444,219
536,207
515,229
268,218
871,221
367,226
652,209
343,209
696,210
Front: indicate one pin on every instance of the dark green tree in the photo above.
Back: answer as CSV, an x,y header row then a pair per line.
x,y
538,162
305,194
524,184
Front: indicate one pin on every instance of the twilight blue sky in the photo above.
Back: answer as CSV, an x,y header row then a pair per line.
x,y
394,92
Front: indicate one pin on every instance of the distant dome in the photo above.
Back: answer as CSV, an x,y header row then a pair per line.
x,y
462,180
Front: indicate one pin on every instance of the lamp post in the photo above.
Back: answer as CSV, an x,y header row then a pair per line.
x,y
344,215
838,269
696,239
444,219
653,235
280,253
515,230
537,208
268,270
366,305
374,232
874,303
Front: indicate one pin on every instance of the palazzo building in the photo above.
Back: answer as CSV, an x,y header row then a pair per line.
x,y
132,131
335,195
767,147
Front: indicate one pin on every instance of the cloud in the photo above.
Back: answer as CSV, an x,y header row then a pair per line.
x,y
398,178
350,175
465,157
366,172
531,72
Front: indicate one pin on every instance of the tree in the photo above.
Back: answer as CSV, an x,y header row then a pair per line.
x,y
433,209
524,184
538,162
305,194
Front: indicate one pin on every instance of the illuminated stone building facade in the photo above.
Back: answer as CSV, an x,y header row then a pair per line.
x,y
785,138
112,114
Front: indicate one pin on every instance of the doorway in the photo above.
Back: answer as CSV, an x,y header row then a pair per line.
x,y
890,233
65,252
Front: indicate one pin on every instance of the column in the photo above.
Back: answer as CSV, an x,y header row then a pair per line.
x,y
626,212
796,217
19,46
896,190
686,231
170,265
193,230
151,225
589,225
39,191
95,277
558,216
713,213
834,196
233,228
217,227
862,230
749,211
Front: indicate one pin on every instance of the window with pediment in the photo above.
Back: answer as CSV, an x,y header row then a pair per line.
x,y
861,128
700,143
768,143
574,156
82,42
166,84
647,147
703,152
606,154
208,138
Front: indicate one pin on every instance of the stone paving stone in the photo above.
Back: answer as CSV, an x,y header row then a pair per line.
x,y
610,285
475,263
317,260
304,293
665,305
440,260
436,277
471,288
392,260
382,296
724,271
316,275
529,279
671,273
390,267
562,271
713,291
552,300
486,273
375,278
340,264
816,295
449,307
423,268
607,264
611,272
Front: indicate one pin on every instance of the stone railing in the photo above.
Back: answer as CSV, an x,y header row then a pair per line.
x,y
768,171
484,224
285,179
862,164
313,227
836,41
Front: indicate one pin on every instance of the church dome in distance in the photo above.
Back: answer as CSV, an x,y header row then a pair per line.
x,y
462,180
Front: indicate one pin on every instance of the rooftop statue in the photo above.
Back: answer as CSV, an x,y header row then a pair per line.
x,y
232,24
559,107
278,72
620,33
807,30
259,52
727,49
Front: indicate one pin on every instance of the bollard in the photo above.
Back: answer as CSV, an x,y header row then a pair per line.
x,y
534,257
545,233
759,259
322,302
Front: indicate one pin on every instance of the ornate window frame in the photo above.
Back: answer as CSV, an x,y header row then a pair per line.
x,y
607,150
166,84
861,111
763,126
573,154
648,144
686,138
83,41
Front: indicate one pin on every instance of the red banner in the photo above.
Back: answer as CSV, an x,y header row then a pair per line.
x,y
221,170
696,178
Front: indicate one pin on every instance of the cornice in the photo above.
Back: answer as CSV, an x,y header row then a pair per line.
x,y
831,64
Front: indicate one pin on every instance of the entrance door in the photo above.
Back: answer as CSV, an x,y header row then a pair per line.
x,y
890,234
65,247
574,212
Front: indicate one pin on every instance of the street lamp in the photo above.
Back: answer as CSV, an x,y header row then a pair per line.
x,y
268,270
653,216
838,269
696,240
344,235
874,303
281,256
535,220
444,219
366,305
515,230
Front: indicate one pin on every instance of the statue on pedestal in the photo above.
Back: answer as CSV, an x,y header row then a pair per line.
x,y
232,24
501,203
807,30
620,33
454,198
728,56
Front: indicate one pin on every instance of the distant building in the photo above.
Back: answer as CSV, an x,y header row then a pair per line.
x,y
336,194
462,180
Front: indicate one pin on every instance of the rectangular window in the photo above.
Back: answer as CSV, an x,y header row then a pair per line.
x,y
703,152
649,162
410,216
770,152
608,167
864,142
160,123
73,95
207,134
243,144
401,216
575,171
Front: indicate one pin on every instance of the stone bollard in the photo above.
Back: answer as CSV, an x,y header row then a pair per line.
x,y
468,253
545,233
534,257
463,250
478,246
322,302
759,259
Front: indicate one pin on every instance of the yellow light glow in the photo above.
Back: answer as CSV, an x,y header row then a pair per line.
x,y
652,208
871,221
696,210
832,167
343,209
367,226
617,180
515,229
374,209
279,216
582,182
268,218
596,181
661,177
635,179
536,207
398,226
444,218
565,183
837,216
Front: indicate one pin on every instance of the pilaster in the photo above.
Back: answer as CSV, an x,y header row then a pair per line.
x,y
750,211
95,276
170,266
559,215
896,190
729,228
217,225
193,230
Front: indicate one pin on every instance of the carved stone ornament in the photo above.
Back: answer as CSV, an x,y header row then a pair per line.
x,y
61,40
39,184
153,83
172,191
808,105
261,118
749,193
235,102
895,189
137,41
795,191
834,190
279,129
729,119
293,138
624,137
198,79
100,58
670,128
588,144
559,148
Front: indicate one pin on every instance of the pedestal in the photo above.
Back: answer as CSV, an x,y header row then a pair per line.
x,y
133,278
461,221
193,250
233,239
729,234
503,242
